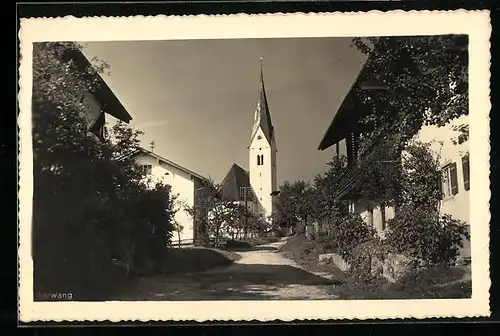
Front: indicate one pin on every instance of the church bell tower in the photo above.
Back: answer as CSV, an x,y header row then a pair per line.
x,y
262,153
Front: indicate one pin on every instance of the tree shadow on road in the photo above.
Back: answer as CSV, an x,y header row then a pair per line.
x,y
238,282
253,248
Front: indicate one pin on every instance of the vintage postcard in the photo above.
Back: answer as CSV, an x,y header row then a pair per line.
x,y
254,167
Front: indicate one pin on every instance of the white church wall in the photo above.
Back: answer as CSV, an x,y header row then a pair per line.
x,y
181,184
262,177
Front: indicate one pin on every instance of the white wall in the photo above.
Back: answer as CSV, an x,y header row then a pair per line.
x,y
373,217
181,184
93,105
442,145
443,148
263,177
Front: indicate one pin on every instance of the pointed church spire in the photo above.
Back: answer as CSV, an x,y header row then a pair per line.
x,y
262,117
262,71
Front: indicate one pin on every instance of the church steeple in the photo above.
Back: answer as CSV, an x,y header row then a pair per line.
x,y
262,116
262,154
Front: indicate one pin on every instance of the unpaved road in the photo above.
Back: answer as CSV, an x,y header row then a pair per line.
x,y
262,273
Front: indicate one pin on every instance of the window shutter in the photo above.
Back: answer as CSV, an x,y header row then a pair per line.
x,y
465,170
454,179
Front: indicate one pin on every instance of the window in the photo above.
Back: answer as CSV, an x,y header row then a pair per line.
x,y
260,160
449,181
466,172
352,207
146,169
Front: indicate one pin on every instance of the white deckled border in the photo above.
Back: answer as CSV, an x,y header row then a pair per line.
x,y
375,23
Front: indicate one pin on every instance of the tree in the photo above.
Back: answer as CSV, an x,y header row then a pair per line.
x,y
407,82
325,190
295,205
89,199
421,181
179,228
211,213
425,82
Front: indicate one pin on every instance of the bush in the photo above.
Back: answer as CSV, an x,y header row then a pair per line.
x,y
345,234
423,235
435,282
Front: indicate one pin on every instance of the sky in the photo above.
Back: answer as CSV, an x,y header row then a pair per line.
x,y
196,98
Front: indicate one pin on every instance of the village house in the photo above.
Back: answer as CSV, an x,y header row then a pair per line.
x,y
453,160
186,184
101,102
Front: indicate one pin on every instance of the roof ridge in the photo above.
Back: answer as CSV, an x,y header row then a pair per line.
x,y
173,163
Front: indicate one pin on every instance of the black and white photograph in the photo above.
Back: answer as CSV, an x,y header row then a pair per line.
x,y
316,168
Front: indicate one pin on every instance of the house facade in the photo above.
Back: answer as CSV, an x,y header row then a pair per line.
x,y
101,102
453,161
453,158
186,184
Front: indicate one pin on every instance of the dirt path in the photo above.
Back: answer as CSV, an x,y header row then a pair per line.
x,y
262,273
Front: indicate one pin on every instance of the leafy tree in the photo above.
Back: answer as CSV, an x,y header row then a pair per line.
x,y
213,214
421,182
284,215
325,190
206,200
295,204
177,226
407,82
425,82
91,209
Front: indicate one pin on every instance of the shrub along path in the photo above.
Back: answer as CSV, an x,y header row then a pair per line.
x,y
262,272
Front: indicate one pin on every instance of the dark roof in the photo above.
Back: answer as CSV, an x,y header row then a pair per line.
x,y
171,163
345,120
235,178
263,116
110,103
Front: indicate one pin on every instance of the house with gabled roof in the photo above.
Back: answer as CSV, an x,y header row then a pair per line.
x,y
185,183
453,158
101,101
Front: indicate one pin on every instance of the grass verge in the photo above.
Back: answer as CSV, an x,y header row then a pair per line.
x,y
434,282
251,242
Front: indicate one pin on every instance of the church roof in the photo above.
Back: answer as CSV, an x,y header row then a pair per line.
x,y
262,116
235,178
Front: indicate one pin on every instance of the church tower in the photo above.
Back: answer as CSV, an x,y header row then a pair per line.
x,y
262,154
